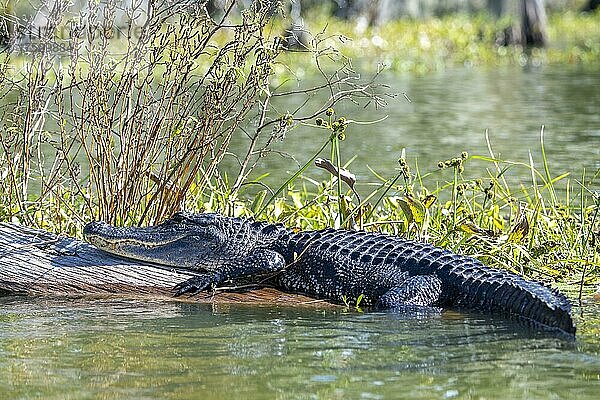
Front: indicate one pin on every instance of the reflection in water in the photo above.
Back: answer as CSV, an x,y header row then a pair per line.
x,y
151,349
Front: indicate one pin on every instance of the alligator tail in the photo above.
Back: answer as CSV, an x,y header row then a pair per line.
x,y
474,286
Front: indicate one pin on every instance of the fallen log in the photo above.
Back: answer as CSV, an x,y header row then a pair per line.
x,y
36,262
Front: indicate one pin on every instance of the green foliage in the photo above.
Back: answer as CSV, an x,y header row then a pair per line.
x,y
434,44
357,302
128,130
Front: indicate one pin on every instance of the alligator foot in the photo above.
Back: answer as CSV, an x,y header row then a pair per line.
x,y
196,284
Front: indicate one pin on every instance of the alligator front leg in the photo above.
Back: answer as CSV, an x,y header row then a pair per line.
x,y
419,290
259,262
198,283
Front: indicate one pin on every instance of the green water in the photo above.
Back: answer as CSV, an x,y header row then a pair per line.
x,y
116,349
436,117
450,111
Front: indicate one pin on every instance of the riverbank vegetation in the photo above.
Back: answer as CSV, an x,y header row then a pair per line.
x,y
131,137
434,44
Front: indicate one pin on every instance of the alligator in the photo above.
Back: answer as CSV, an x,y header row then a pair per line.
x,y
378,270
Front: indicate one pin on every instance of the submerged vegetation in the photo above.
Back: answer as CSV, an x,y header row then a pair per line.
x,y
132,137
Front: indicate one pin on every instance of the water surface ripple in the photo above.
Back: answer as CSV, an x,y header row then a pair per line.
x,y
111,349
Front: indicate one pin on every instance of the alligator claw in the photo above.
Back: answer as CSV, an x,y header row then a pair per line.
x,y
194,285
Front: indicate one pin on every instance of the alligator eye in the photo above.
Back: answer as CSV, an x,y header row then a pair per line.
x,y
183,217
178,217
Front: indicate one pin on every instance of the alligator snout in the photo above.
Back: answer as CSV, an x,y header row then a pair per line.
x,y
100,232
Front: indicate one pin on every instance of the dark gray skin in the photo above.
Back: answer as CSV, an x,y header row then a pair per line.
x,y
388,272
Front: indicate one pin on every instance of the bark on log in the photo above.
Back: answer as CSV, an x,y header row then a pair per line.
x,y
35,262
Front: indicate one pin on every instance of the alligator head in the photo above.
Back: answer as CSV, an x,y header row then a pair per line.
x,y
197,241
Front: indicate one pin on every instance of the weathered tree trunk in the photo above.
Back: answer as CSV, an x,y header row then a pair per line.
x,y
533,23
36,262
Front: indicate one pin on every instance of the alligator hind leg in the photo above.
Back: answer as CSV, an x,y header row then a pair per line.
x,y
419,290
259,262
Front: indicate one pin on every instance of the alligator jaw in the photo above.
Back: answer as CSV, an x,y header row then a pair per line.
x,y
162,244
102,235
